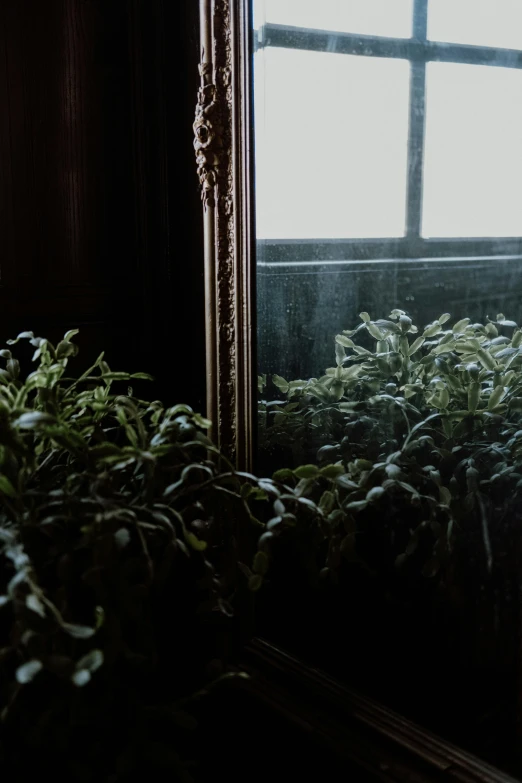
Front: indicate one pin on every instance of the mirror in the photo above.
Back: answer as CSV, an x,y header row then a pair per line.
x,y
363,204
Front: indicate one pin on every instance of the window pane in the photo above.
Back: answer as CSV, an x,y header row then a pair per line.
x,y
368,17
479,22
473,159
331,145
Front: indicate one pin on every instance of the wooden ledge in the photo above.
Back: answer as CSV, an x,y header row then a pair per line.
x,y
360,732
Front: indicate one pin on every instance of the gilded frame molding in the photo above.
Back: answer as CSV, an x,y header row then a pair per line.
x,y
223,150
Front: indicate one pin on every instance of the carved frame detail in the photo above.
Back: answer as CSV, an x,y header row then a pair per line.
x,y
223,149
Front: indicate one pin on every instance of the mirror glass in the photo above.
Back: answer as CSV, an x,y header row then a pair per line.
x,y
388,193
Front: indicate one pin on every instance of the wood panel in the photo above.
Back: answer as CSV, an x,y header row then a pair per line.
x,y
94,181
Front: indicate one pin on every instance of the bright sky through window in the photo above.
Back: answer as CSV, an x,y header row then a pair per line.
x,y
332,129
473,158
495,23
331,145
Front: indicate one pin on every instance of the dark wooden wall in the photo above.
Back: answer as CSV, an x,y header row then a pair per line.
x,y
100,220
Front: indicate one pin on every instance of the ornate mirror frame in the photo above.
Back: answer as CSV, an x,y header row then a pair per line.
x,y
224,164
360,731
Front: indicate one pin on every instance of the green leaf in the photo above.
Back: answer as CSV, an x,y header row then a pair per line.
x,y
194,542
340,354
346,483
516,340
255,582
416,345
495,397
261,563
81,677
306,471
332,471
283,475
340,339
115,376
6,487
364,317
337,390
34,604
515,404
143,376
27,671
432,330
460,326
64,350
70,334
486,359
357,505
327,502
78,631
374,331
376,493
280,382
473,397
91,662
29,421
444,496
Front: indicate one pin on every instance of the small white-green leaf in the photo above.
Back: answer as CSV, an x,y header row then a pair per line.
x,y
122,537
81,677
486,359
432,330
416,344
340,339
460,325
70,334
27,671
35,605
374,331
28,421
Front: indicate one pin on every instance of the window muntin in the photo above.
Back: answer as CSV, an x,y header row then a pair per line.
x,y
392,18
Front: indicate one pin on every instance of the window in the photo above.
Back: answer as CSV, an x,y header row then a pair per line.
x,y
388,188
388,129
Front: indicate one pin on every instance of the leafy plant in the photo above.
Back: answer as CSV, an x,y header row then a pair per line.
x,y
411,436
117,563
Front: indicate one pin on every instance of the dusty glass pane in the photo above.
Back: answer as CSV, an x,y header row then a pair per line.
x,y
389,350
473,161
495,23
368,17
331,145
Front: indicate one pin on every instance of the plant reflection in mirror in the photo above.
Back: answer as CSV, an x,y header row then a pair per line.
x,y
411,436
